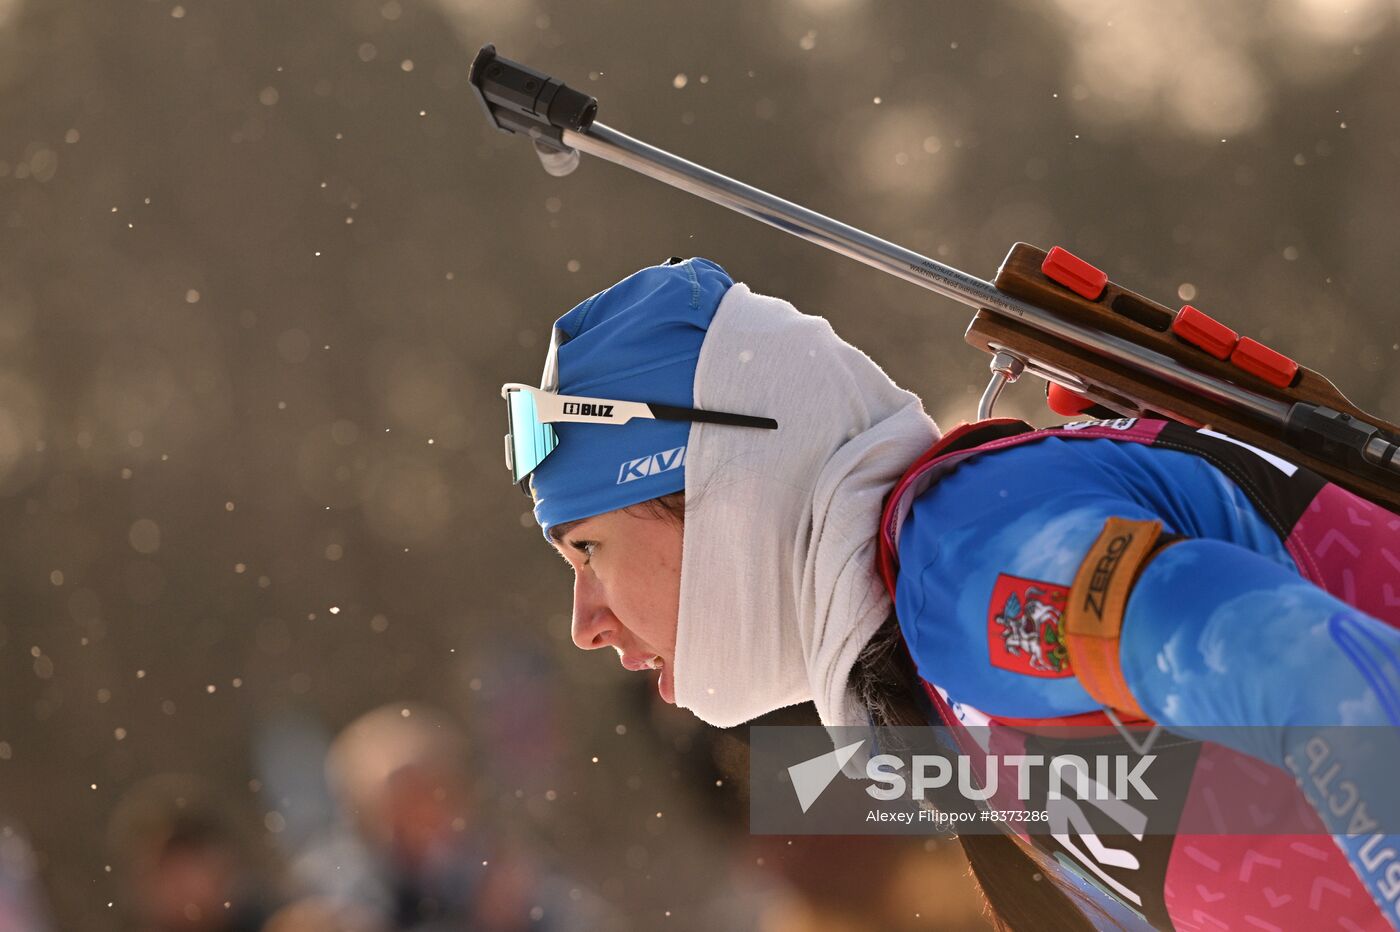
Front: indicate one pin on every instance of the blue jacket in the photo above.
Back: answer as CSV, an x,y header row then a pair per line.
x,y
1235,625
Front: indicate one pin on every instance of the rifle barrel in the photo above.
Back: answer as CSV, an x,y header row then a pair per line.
x,y
613,146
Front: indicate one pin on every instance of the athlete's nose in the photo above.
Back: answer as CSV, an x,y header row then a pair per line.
x,y
594,626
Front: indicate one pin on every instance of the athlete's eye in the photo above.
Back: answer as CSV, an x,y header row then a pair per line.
x,y
585,547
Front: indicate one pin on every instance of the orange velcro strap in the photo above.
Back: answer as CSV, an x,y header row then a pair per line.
x,y
1093,619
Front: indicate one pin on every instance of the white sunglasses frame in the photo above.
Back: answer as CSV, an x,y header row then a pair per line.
x,y
553,408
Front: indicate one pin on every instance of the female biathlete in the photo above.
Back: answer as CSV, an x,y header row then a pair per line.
x,y
755,512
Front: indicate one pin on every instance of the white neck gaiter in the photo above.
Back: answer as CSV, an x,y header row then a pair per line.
x,y
779,590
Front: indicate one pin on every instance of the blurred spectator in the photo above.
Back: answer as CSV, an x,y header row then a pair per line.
x,y
21,906
185,866
316,914
414,852
813,883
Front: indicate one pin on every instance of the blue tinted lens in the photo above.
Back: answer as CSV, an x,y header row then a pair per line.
x,y
530,441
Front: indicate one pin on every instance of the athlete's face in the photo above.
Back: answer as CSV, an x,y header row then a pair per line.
x,y
627,589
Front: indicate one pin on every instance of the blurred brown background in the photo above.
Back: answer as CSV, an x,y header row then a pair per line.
x,y
263,267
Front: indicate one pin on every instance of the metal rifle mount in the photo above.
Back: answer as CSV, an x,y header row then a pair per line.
x,y
1115,351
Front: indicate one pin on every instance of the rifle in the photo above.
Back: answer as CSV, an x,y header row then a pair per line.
x,y
1102,349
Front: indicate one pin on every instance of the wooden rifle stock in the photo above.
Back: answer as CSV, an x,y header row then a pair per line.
x,y
1130,393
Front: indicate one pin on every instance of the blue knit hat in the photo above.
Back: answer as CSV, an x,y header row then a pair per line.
x,y
636,341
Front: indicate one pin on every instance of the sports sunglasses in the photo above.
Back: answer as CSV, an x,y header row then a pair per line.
x,y
531,410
